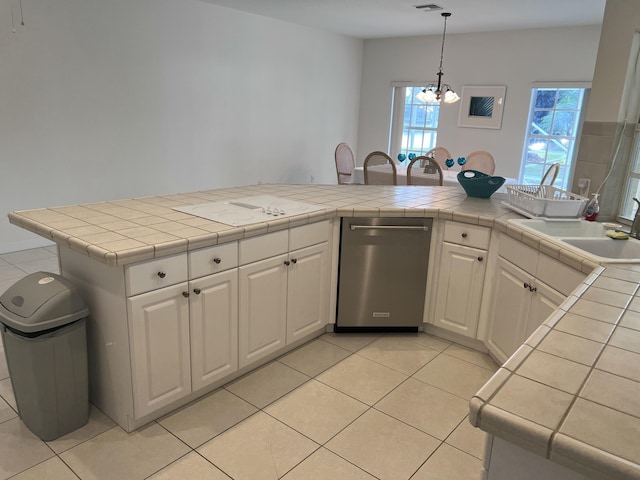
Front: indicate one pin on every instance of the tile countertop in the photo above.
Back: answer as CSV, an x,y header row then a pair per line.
x,y
569,393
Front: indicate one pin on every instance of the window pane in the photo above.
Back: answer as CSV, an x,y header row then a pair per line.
x,y
568,98
419,117
545,98
541,123
563,123
629,207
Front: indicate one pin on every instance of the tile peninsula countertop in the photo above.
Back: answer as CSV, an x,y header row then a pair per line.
x,y
570,393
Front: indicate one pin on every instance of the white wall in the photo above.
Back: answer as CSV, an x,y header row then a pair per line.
x,y
104,100
512,58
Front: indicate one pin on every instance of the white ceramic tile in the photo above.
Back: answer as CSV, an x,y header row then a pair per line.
x,y
260,447
117,454
398,354
314,357
316,410
468,438
362,379
191,466
22,256
428,341
267,384
618,361
349,341
52,469
207,417
383,446
472,356
454,375
450,463
325,465
425,407
613,391
19,448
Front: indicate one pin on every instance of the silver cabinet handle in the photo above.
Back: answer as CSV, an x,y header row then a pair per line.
x,y
389,227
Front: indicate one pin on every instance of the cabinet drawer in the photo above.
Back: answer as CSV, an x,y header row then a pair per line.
x,y
468,235
307,235
213,259
519,254
157,273
264,246
557,275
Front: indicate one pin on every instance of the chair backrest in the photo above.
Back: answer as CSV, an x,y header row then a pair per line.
x,y
345,163
424,171
379,178
551,174
440,155
481,161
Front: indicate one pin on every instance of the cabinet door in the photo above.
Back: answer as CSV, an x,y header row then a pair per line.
x,y
214,327
509,309
459,289
307,292
159,333
544,301
262,309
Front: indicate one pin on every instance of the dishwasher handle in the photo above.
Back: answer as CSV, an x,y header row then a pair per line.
x,y
422,228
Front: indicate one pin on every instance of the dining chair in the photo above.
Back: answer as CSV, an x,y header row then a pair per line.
x,y
345,163
440,154
424,171
481,161
379,178
549,177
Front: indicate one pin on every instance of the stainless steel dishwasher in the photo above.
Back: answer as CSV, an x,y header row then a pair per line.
x,y
382,276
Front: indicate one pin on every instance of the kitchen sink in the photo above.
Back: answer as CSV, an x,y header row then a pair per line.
x,y
608,249
563,228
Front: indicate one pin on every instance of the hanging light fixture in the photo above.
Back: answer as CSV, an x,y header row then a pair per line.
x,y
440,91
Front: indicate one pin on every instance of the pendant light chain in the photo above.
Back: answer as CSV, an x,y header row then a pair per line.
x,y
444,34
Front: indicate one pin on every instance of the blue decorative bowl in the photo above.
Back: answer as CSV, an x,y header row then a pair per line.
x,y
478,184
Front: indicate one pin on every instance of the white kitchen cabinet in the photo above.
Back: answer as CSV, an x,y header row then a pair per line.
x,y
213,308
460,278
459,288
263,309
510,309
283,297
528,286
159,345
307,291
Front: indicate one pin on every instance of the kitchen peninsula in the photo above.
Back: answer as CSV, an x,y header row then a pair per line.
x,y
564,405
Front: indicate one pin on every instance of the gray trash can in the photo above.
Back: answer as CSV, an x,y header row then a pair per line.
x,y
44,334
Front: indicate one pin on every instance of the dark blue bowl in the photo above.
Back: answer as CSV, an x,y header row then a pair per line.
x,y
479,184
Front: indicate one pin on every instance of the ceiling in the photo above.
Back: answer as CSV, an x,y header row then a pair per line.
x,y
400,18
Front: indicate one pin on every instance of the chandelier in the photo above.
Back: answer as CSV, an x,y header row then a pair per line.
x,y
440,91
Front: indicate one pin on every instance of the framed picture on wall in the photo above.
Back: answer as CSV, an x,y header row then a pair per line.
x,y
481,107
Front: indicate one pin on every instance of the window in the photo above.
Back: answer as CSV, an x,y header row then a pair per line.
x,y
555,118
414,125
632,191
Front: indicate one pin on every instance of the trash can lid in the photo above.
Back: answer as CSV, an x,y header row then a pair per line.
x,y
41,301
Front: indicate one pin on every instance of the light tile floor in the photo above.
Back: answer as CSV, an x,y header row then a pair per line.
x,y
353,407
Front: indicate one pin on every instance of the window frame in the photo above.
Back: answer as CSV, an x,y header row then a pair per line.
x,y
569,169
397,126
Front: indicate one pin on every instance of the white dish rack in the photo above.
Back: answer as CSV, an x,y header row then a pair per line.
x,y
545,201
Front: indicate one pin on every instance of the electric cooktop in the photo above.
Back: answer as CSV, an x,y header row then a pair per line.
x,y
248,210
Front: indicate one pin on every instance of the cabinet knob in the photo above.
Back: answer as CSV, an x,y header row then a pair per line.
x,y
294,260
287,262
533,289
526,285
464,235
185,294
216,260
197,291
480,259
162,274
